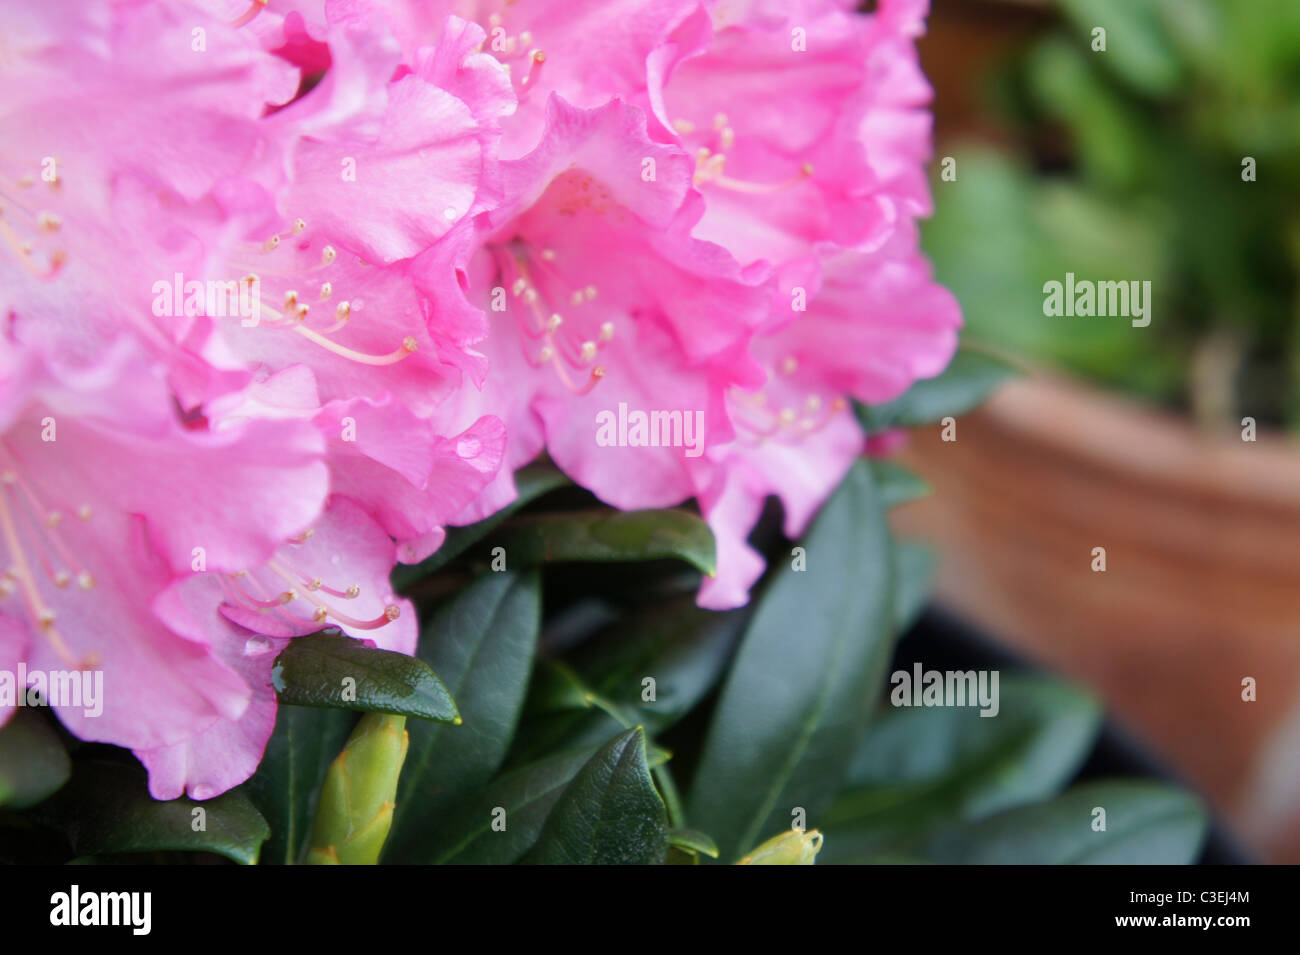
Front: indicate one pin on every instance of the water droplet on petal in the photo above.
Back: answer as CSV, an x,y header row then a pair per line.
x,y
256,646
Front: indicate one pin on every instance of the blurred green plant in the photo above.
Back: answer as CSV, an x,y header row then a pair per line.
x,y
1159,127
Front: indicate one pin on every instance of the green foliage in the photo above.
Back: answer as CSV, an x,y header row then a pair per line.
x,y
336,672
1157,128
106,810
793,707
659,733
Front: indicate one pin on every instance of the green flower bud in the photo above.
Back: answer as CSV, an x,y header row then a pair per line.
x,y
357,797
789,848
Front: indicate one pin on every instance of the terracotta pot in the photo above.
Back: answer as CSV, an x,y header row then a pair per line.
x,y
1201,587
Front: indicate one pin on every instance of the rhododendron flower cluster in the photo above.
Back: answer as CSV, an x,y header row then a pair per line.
x,y
288,287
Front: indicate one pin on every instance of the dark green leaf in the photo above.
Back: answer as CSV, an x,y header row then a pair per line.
x,y
605,535
968,380
682,648
482,642
805,677
531,483
106,809
287,783
1147,823
467,836
327,670
33,763
923,767
610,814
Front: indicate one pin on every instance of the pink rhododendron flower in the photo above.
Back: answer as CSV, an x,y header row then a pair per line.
x,y
335,574
599,295
105,498
410,478
809,287
300,284
117,131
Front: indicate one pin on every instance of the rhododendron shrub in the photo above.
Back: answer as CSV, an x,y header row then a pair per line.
x,y
295,293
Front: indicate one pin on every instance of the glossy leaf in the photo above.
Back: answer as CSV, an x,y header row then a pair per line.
x,y
919,768
1147,823
336,672
607,535
106,809
482,642
804,680
681,648
610,814
517,803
